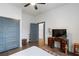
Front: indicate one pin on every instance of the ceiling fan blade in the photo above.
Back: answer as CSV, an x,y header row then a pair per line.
x,y
35,7
41,3
26,4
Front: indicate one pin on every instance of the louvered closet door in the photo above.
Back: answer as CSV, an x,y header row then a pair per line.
x,y
2,40
11,32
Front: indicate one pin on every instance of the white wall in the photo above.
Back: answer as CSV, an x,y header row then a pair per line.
x,y
8,10
26,20
65,17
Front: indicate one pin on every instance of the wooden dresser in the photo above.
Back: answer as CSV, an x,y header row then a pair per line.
x,y
62,41
50,42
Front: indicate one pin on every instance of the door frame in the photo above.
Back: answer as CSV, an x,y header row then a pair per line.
x,y
43,29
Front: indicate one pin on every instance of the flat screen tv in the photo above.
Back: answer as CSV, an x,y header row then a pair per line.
x,y
59,33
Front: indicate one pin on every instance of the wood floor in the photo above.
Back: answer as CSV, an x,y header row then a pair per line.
x,y
38,44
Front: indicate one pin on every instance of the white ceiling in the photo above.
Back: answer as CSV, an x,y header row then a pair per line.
x,y
41,8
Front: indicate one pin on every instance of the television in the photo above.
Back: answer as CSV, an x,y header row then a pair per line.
x,y
59,33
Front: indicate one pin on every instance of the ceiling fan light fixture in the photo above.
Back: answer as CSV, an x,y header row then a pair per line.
x,y
34,5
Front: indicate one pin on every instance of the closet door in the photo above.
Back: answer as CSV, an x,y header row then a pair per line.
x,y
11,32
2,38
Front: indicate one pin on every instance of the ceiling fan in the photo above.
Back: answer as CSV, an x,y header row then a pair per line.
x,y
35,5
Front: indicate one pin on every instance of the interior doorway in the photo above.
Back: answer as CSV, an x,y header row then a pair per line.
x,y
41,34
37,33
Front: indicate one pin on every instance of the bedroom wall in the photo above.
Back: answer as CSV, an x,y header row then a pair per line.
x,y
65,17
8,10
26,20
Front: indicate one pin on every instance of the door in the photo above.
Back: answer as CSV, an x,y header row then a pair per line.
x,y
9,33
33,32
2,40
12,33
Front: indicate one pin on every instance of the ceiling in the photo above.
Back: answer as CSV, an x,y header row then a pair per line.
x,y
41,8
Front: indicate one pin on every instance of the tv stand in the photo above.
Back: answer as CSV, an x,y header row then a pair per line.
x,y
62,41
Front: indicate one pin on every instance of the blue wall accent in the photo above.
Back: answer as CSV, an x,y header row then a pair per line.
x,y
9,33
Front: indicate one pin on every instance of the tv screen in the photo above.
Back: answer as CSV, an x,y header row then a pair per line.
x,y
59,33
